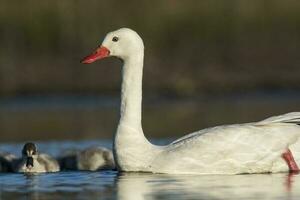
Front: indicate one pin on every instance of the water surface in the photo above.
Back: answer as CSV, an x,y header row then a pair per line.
x,y
135,186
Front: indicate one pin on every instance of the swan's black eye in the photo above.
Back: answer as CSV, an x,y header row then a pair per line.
x,y
115,39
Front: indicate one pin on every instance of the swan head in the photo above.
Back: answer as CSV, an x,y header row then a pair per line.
x,y
29,153
121,43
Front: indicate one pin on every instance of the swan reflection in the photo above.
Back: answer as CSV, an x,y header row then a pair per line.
x,y
135,186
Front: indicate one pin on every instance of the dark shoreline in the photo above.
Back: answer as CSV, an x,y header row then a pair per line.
x,y
78,117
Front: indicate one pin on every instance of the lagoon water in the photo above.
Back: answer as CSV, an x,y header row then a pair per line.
x,y
96,117
135,186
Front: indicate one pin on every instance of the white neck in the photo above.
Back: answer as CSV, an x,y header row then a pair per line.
x,y
132,150
131,94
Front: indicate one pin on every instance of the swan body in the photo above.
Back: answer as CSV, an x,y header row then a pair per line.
x,y
34,162
89,159
231,149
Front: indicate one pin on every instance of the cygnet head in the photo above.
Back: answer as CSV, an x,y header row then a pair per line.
x,y
121,43
29,153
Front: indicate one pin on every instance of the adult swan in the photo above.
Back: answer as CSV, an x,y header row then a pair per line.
x,y
266,146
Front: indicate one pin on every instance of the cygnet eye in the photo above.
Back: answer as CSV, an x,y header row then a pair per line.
x,y
115,39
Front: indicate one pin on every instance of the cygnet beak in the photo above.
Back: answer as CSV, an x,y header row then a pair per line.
x,y
29,162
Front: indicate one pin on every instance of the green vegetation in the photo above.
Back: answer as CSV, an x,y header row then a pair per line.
x,y
192,47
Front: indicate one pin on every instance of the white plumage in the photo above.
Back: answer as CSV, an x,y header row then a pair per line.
x,y
231,149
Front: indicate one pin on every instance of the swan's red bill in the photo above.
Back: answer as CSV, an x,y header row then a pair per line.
x,y
100,53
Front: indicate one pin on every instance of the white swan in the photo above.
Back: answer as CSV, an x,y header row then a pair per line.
x,y
258,147
34,162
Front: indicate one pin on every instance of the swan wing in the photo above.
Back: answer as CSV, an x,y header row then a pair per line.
x,y
241,148
293,118
289,118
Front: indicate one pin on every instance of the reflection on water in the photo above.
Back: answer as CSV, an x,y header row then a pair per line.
x,y
257,186
62,185
135,186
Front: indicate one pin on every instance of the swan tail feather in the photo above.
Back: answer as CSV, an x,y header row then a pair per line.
x,y
291,118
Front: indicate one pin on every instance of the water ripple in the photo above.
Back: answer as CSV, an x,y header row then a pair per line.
x,y
135,186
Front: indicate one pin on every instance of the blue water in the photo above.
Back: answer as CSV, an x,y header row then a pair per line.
x,y
135,186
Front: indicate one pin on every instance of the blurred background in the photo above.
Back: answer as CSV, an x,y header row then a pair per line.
x,y
206,63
